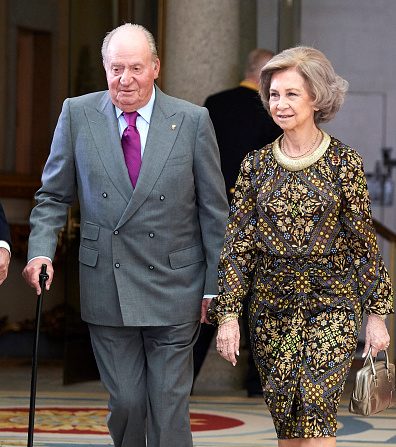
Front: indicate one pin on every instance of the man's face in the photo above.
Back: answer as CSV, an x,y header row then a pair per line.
x,y
130,70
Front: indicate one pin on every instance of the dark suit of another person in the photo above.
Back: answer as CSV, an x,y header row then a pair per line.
x,y
5,243
241,125
4,228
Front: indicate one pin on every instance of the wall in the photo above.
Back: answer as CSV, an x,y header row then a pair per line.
x,y
17,300
206,45
355,35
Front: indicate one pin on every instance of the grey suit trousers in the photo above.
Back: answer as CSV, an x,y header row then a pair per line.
x,y
148,372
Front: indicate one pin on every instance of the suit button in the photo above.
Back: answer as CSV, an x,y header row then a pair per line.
x,y
151,267
162,198
151,235
116,232
117,265
104,194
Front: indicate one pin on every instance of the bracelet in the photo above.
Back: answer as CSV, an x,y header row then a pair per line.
x,y
382,317
227,317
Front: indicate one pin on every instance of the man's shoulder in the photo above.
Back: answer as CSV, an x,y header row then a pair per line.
x,y
225,94
89,98
238,95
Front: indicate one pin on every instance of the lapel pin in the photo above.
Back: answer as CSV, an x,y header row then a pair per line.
x,y
173,126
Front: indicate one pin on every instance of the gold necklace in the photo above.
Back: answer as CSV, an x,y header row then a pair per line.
x,y
284,146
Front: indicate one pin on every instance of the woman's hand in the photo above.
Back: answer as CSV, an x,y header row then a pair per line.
x,y
377,335
227,341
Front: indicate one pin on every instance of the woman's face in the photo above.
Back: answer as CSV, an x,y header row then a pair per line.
x,y
291,104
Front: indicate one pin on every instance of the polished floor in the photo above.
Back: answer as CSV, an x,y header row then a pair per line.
x,y
74,415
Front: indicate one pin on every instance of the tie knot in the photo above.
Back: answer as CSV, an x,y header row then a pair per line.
x,y
130,118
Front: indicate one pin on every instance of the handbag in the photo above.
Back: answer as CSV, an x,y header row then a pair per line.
x,y
374,387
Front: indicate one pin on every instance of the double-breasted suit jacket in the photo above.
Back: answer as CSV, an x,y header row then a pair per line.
x,y
147,255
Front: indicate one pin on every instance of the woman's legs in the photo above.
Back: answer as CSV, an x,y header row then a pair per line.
x,y
307,442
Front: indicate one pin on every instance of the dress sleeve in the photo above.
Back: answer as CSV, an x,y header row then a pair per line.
x,y
238,257
374,282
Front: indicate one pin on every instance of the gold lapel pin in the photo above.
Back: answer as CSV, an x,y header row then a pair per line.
x,y
173,126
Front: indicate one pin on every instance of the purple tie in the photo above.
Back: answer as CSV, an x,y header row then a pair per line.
x,y
130,142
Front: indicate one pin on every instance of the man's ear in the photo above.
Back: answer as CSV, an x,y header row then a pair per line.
x,y
157,65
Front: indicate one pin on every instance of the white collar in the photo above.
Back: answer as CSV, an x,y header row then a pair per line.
x,y
145,112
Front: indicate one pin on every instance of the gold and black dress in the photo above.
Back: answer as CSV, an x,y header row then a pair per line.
x,y
300,244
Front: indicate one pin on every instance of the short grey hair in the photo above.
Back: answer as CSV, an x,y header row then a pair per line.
x,y
132,27
256,59
326,88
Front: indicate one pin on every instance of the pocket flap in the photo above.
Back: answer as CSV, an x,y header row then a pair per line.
x,y
90,231
88,256
186,256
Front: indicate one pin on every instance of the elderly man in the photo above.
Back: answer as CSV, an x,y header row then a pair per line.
x,y
146,170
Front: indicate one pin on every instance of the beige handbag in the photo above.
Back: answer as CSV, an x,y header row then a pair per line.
x,y
374,387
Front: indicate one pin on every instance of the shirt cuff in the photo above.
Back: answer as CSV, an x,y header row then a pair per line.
x,y
36,257
6,245
209,297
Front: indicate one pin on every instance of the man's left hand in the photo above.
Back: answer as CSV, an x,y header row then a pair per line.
x,y
204,308
4,263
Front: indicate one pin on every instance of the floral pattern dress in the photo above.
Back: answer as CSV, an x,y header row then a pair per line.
x,y
301,246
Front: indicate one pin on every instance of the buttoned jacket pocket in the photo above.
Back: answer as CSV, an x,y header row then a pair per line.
x,y
90,231
186,256
88,256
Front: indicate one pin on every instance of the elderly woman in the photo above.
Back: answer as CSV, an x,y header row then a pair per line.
x,y
300,243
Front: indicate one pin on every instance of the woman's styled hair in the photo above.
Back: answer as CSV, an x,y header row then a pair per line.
x,y
326,88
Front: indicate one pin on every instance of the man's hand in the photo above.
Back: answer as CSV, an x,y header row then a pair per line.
x,y
32,271
204,308
4,263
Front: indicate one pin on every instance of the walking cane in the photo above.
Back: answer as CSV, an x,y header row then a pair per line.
x,y
42,279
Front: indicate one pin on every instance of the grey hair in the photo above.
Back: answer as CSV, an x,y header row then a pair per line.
x,y
256,59
132,27
326,88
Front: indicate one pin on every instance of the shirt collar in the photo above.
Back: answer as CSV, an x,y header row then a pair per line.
x,y
145,112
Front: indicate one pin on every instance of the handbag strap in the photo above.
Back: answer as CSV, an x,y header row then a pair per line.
x,y
372,363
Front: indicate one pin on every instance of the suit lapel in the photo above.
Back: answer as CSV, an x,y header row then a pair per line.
x,y
164,128
104,128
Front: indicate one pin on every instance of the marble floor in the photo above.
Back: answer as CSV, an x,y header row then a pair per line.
x,y
226,419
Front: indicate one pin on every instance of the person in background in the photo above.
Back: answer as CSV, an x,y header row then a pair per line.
x,y
301,240
5,246
241,125
145,168
240,121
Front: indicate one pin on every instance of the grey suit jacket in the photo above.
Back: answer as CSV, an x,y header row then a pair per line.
x,y
147,255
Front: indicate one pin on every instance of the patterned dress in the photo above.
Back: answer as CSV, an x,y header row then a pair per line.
x,y
300,244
